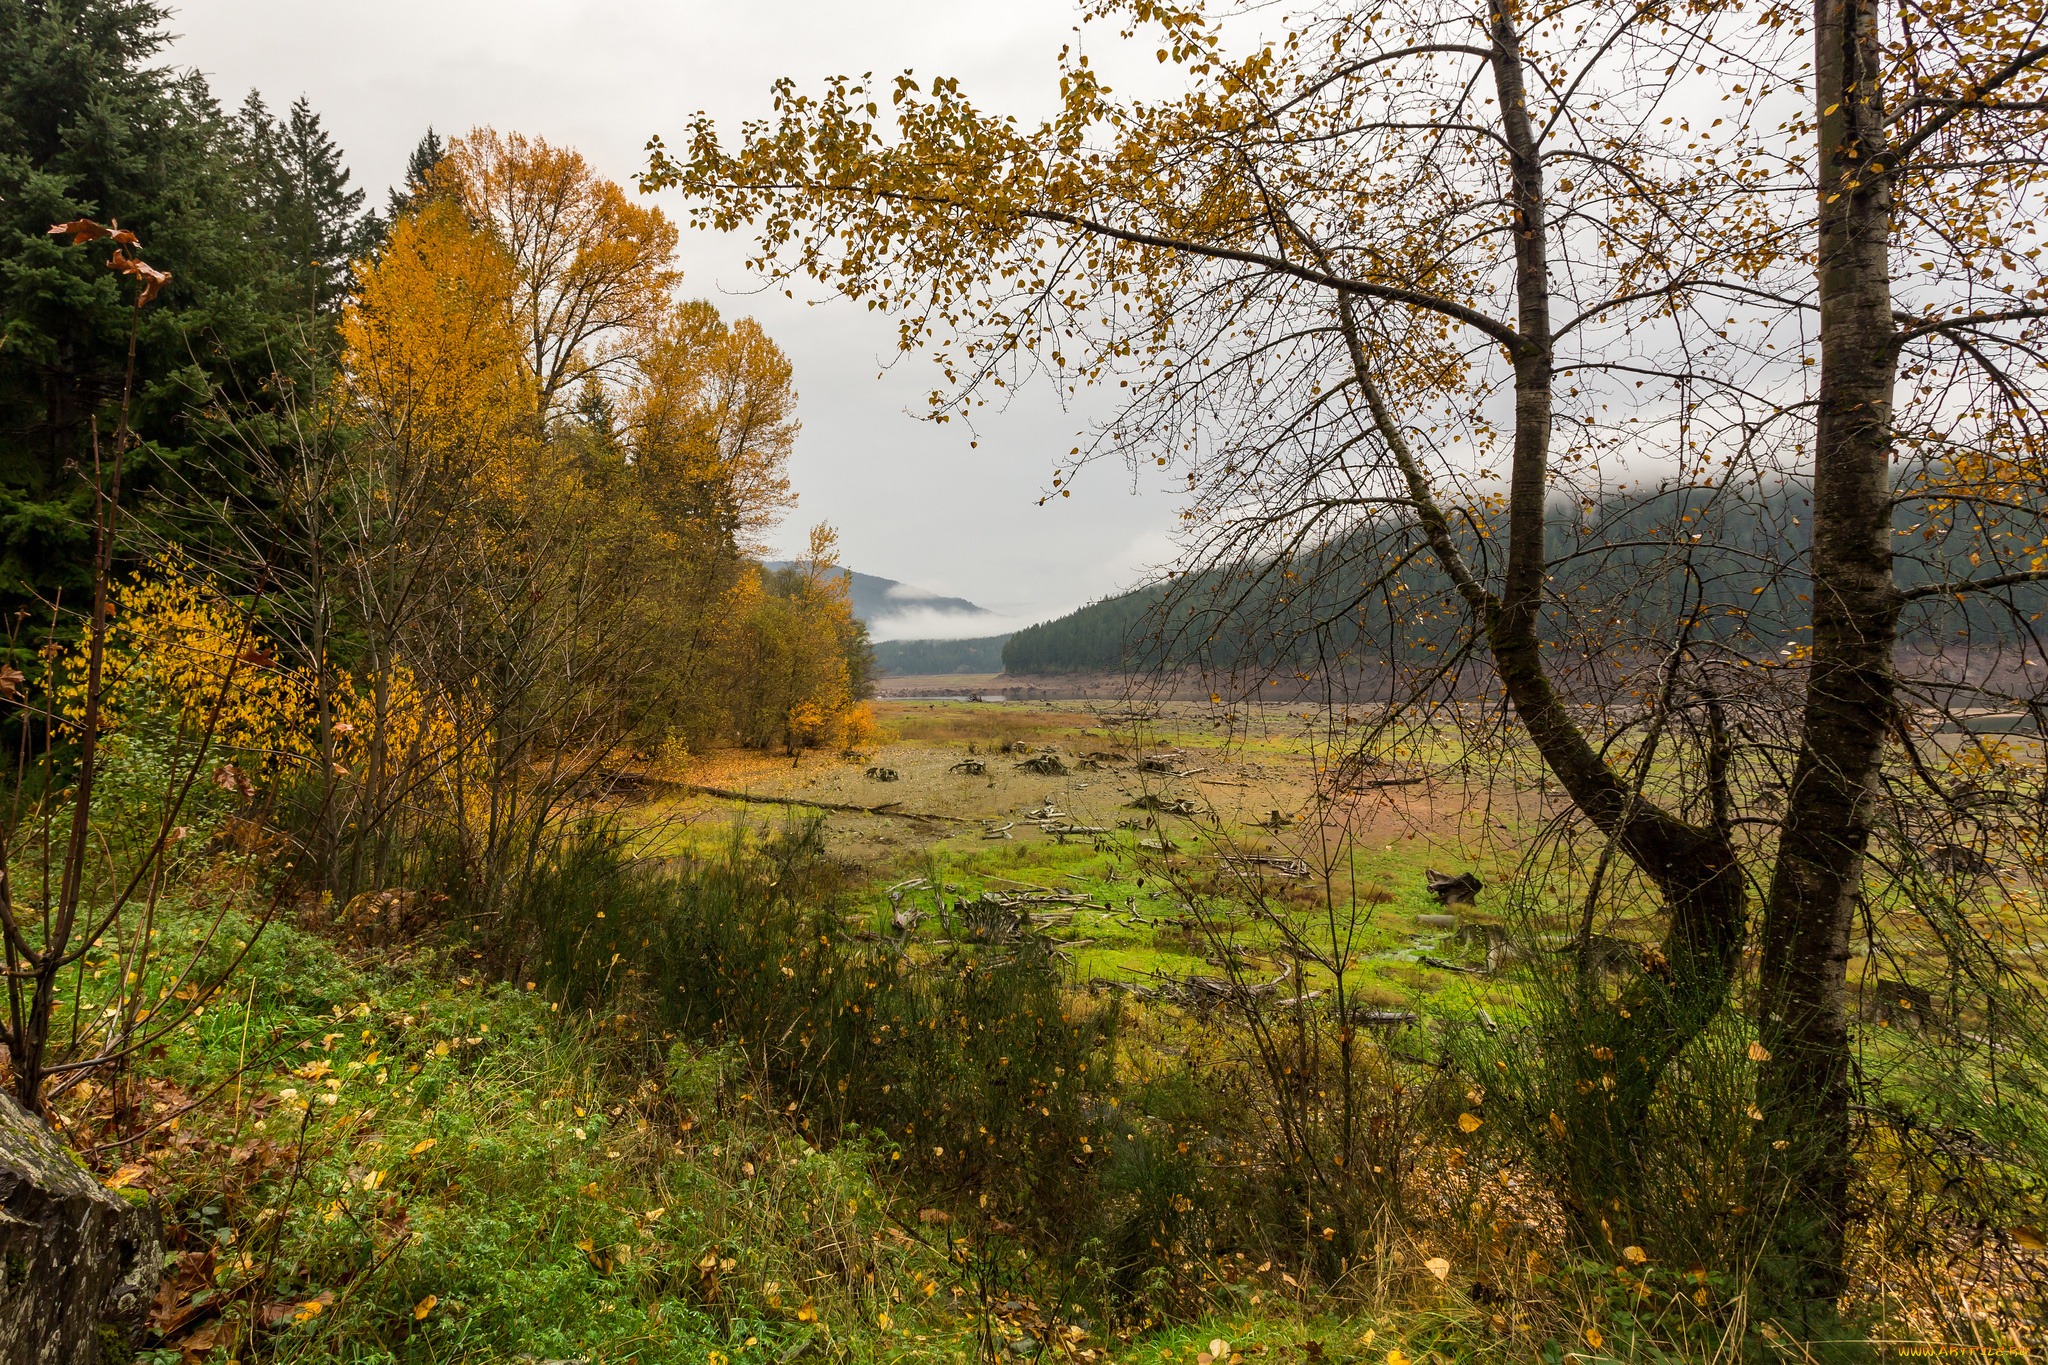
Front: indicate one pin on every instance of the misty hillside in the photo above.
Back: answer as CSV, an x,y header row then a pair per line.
x,y
878,601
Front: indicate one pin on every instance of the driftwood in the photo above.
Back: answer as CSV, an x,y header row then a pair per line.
x,y
1045,765
881,774
1286,867
1957,860
1899,1003
973,767
1449,890
1610,954
1201,992
886,808
1164,805
1386,1019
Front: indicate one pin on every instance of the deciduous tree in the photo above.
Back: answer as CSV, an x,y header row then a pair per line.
x,y
1406,279
593,269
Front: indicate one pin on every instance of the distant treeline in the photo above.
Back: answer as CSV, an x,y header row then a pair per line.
x,y
1733,561
918,657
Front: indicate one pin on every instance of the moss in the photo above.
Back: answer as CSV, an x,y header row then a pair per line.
x,y
114,1347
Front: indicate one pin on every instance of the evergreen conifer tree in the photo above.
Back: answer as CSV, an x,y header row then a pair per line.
x,y
300,188
93,126
419,169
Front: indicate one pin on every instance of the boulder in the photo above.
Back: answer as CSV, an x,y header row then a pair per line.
x,y
79,1263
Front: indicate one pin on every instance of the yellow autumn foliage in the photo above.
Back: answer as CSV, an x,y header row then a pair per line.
x,y
181,648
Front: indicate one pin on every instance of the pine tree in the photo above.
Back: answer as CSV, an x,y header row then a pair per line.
x,y
314,220
419,170
93,126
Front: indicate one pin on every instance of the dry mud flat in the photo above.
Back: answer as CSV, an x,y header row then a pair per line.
x,y
1241,784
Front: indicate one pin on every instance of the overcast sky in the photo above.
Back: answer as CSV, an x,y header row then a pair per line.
x,y
912,502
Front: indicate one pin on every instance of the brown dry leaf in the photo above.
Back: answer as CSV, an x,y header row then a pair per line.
x,y
80,231
1759,1053
1438,1266
126,1176
931,1216
1634,1255
1219,1348
11,679
2030,1238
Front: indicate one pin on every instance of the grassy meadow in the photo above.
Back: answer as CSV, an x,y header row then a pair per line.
x,y
771,1083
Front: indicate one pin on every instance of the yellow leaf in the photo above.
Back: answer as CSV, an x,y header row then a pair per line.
x,y
806,1314
883,1321
423,1307
2030,1238
310,1309
441,1048
1438,1266
1593,1337
123,1178
1759,1053
1394,1357
1469,1123
422,1146
1219,1348
1634,1255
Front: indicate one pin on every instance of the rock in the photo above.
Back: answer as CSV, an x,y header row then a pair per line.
x,y
880,774
79,1263
1436,921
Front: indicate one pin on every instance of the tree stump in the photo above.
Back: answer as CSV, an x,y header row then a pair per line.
x,y
79,1263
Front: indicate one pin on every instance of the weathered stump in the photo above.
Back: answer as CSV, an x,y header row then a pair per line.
x,y
79,1263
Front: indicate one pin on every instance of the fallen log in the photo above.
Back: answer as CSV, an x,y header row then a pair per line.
x,y
886,808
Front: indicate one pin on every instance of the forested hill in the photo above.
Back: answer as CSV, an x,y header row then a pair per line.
x,y
1089,639
1735,560
916,657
